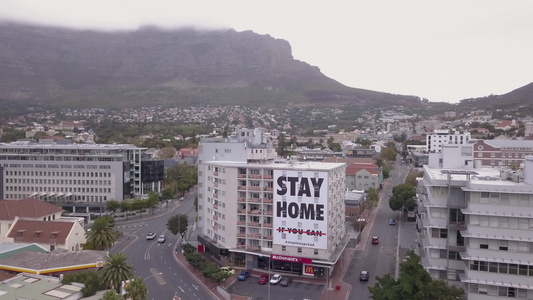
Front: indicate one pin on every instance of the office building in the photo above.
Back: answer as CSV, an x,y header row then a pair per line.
x,y
76,176
439,137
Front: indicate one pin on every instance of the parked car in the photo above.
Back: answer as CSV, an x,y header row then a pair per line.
x,y
228,270
375,240
285,281
161,239
392,222
243,275
363,276
263,279
275,279
150,236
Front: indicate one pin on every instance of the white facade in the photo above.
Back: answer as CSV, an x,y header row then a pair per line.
x,y
477,226
439,137
82,174
255,206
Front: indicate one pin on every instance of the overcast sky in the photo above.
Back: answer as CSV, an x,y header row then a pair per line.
x,y
440,50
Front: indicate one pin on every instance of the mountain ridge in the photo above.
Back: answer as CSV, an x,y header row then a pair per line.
x,y
59,66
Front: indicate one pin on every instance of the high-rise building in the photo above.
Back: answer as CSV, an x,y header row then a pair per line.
x,y
476,225
82,176
259,212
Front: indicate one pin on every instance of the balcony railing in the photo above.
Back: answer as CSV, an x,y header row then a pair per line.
x,y
241,246
241,199
267,225
254,236
269,212
254,248
241,223
241,211
215,173
255,200
254,188
267,200
268,237
215,206
241,176
241,234
267,176
269,189
215,217
215,195
255,176
254,224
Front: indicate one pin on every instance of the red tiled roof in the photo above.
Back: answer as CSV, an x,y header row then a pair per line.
x,y
42,232
353,169
26,208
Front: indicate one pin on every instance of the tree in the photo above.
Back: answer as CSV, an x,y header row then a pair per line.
x,y
178,224
403,197
115,270
111,295
167,152
88,278
412,176
372,198
414,283
113,206
137,289
389,154
102,235
152,201
126,206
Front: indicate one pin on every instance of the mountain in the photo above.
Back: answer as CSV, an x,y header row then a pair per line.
x,y
59,67
519,99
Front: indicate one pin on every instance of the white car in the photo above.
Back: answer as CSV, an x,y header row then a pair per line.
x,y
275,279
150,236
161,239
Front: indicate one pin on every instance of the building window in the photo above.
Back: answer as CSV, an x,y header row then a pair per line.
x,y
299,250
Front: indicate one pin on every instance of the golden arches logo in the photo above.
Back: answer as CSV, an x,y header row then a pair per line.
x,y
309,270
99,264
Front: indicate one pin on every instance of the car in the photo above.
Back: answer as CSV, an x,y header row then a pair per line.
x,y
243,275
285,281
263,279
161,239
392,222
275,279
228,270
363,276
150,236
375,240
181,198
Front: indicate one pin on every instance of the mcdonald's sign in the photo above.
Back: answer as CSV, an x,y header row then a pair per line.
x,y
309,270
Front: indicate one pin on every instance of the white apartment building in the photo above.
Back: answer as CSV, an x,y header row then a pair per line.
x,y
439,137
476,225
284,216
76,175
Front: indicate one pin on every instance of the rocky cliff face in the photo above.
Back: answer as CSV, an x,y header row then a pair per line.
x,y
57,65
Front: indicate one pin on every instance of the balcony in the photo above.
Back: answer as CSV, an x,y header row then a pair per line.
x,y
254,200
242,187
215,195
215,184
241,211
267,176
267,225
268,237
254,224
267,200
254,188
255,176
457,225
241,176
241,234
215,217
215,228
215,206
254,236
215,173
241,246
241,199
241,223
255,212
269,212
268,189
457,248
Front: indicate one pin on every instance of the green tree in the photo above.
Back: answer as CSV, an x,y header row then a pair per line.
x,y
178,224
88,278
137,289
167,193
412,176
111,295
126,206
102,235
112,206
403,197
372,198
138,205
388,154
413,283
152,201
116,269
167,152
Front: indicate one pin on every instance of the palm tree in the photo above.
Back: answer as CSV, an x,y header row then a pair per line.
x,y
102,235
115,270
137,289
111,295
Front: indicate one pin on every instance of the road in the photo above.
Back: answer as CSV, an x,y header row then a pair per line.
x,y
155,262
378,259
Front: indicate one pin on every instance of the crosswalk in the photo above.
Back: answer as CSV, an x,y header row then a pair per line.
x,y
131,225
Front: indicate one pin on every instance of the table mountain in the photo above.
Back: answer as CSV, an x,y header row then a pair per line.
x,y
60,67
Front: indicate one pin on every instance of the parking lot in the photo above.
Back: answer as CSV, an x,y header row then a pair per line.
x,y
297,290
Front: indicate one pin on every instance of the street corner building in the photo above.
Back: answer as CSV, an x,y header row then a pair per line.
x,y
260,212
